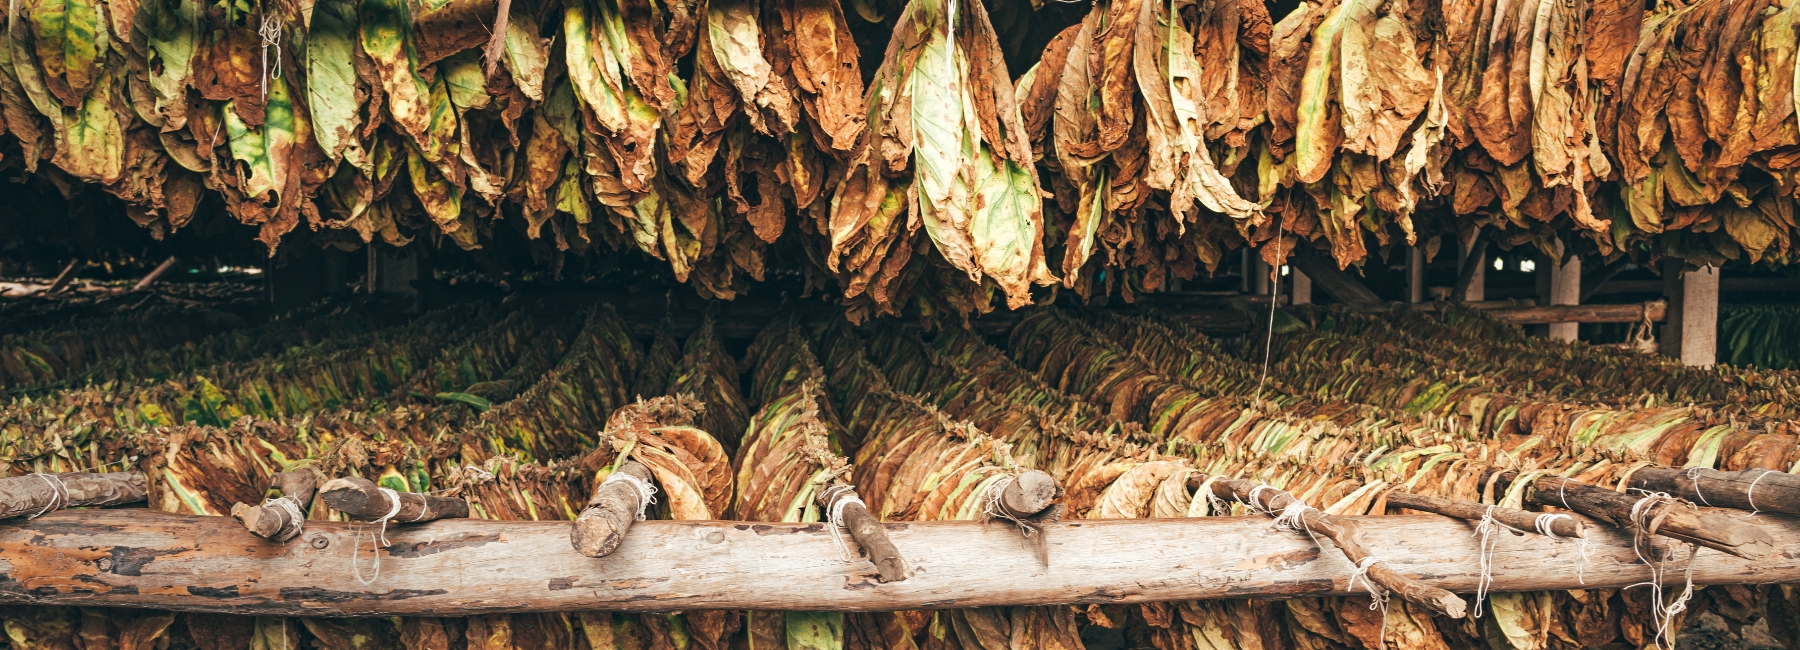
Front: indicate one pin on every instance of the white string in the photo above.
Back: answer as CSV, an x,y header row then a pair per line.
x,y
1660,614
1485,530
1256,504
1693,476
59,494
271,35
836,497
1274,290
1545,524
1292,516
291,506
1378,597
379,539
1751,494
993,510
646,492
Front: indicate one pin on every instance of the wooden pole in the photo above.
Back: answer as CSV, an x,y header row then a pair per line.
x,y
1755,489
1656,310
601,527
274,521
1471,276
1565,289
32,494
154,274
1346,534
461,567
1518,520
362,500
1415,274
63,279
1302,287
1700,317
1676,520
868,531
1326,275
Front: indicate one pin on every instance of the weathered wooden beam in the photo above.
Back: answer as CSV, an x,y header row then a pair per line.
x,y
610,513
361,499
456,567
1342,286
1540,314
22,496
1754,490
868,531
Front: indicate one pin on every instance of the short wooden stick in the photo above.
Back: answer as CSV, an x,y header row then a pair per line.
x,y
1679,521
1346,534
274,522
1029,494
602,525
362,500
868,533
1514,518
33,494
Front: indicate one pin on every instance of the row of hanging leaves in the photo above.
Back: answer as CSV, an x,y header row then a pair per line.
x,y
1146,140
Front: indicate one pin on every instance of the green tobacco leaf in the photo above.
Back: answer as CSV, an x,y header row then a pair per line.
x,y
92,145
441,199
815,630
593,70
1314,142
421,109
71,42
467,83
474,401
1005,227
264,150
173,31
330,75
526,57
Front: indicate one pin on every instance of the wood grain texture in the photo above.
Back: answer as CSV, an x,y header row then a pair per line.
x,y
455,567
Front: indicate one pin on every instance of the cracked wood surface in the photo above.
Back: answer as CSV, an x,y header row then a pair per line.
x,y
455,567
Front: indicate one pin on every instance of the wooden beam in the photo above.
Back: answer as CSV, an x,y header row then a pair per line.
x,y
1726,285
63,279
1471,275
458,567
1565,289
1629,313
1754,489
1342,286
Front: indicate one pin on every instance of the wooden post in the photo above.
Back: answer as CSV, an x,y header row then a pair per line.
x,y
154,274
1676,520
868,531
1415,274
1565,289
1259,275
1302,289
1670,342
62,279
1472,278
601,527
1700,317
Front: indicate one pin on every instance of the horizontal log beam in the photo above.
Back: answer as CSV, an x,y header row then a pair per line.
x,y
1540,314
455,567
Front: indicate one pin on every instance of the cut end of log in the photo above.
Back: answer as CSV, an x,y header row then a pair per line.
x,y
1452,606
349,494
596,536
1030,493
602,527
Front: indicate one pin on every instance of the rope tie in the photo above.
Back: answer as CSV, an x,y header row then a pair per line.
x,y
271,35
59,494
1485,530
1545,526
289,506
1693,476
1378,597
379,538
1645,526
645,491
993,510
836,497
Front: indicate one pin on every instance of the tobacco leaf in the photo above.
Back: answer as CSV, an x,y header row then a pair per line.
x,y
332,92
71,42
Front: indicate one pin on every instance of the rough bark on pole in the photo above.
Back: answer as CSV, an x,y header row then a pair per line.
x,y
43,493
1678,520
462,567
866,530
1514,518
362,500
602,525
154,274
1346,534
274,520
1753,489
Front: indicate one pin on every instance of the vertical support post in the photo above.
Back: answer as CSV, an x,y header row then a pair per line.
x,y
1302,287
1565,289
1415,274
1670,342
1700,317
1477,289
1244,269
1259,275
